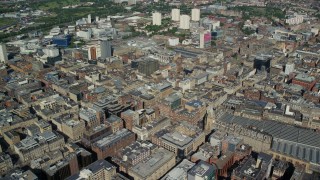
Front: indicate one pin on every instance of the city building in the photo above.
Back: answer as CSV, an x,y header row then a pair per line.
x,y
184,22
195,14
289,68
154,167
148,67
262,63
5,163
305,81
133,154
175,15
156,18
36,146
109,145
180,172
105,48
205,39
100,169
202,171
173,41
183,143
254,169
73,129
92,53
295,19
61,40
3,53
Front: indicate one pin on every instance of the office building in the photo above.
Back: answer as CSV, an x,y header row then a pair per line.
x,y
202,171
89,19
155,166
180,172
63,168
289,68
62,40
5,163
183,143
184,22
205,39
100,169
36,146
173,41
195,14
156,18
254,169
305,81
175,15
21,175
130,118
73,129
148,67
262,63
106,49
3,53
109,145
92,53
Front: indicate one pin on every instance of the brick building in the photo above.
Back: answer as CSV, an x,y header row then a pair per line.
x,y
305,81
109,145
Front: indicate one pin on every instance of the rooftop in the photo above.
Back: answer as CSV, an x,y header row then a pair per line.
x,y
109,140
202,169
305,78
180,172
152,163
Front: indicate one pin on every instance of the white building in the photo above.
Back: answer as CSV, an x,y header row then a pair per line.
x,y
89,19
85,34
296,19
175,15
289,68
3,53
205,39
186,84
215,25
51,51
184,22
173,41
195,14
156,18
315,31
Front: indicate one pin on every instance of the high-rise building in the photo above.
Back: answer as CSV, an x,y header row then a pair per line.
x,y
89,18
289,68
195,14
184,22
3,53
105,48
262,63
205,39
148,67
175,14
156,18
92,52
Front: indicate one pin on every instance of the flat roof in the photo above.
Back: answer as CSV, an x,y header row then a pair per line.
x,y
305,78
180,172
121,134
156,160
